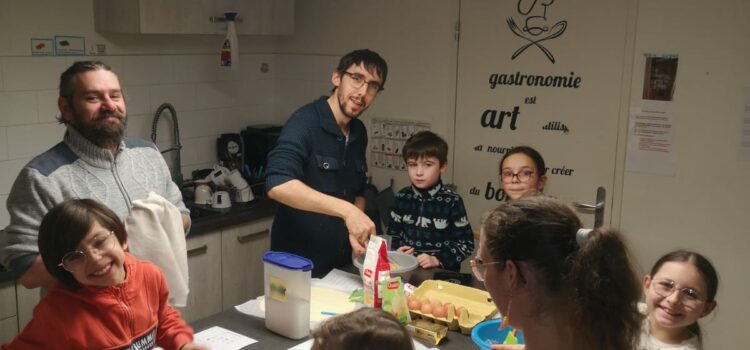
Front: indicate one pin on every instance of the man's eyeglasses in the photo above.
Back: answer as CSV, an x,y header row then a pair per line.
x,y
523,175
75,260
479,268
373,87
689,297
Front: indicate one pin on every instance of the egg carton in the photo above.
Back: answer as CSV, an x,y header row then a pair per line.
x,y
477,304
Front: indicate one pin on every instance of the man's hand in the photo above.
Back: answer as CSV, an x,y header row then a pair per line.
x,y
427,261
360,228
405,249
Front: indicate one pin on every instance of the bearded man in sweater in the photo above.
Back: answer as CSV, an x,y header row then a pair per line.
x,y
94,160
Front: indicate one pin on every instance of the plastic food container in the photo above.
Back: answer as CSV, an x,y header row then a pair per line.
x,y
486,333
402,264
477,302
287,293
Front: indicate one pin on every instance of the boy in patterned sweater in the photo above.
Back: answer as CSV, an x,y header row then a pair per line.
x,y
428,219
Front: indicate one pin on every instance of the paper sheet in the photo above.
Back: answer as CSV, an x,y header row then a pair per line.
x,y
651,138
340,280
222,338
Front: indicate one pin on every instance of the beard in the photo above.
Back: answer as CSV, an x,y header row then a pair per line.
x,y
98,131
342,105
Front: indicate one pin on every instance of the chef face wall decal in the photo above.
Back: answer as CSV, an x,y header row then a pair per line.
x,y
536,29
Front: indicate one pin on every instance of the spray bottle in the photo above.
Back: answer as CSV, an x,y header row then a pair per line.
x,y
230,51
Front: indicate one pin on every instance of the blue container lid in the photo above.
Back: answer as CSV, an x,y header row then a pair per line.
x,y
230,16
288,261
487,333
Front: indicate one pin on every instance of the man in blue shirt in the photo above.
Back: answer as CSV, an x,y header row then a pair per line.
x,y
317,170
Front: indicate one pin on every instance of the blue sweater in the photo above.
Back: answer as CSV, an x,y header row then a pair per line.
x,y
433,222
312,149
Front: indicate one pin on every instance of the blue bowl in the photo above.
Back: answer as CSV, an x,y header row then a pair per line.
x,y
486,333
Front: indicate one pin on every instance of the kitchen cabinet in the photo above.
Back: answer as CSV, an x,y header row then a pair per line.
x,y
258,17
26,300
204,266
8,318
241,259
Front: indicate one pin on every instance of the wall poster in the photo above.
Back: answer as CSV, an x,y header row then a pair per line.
x,y
387,140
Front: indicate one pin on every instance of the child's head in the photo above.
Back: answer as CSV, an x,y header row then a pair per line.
x,y
533,256
364,329
426,157
522,172
81,243
680,290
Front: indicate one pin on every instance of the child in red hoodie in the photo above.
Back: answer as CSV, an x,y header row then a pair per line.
x,y
104,298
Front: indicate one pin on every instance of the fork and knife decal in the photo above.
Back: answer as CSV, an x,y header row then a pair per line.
x,y
534,32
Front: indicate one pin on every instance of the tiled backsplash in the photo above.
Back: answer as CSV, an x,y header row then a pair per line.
x,y
209,101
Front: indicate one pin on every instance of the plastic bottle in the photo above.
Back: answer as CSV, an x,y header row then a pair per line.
x,y
230,51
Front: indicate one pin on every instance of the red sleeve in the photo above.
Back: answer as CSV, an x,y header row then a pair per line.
x,y
172,332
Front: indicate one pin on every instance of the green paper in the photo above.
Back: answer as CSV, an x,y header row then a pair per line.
x,y
357,295
510,339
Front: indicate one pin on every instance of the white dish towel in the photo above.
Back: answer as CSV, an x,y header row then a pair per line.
x,y
155,233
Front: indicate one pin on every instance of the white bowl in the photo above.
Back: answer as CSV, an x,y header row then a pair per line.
x,y
407,262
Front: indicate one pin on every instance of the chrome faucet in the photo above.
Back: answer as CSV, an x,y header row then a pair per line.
x,y
177,171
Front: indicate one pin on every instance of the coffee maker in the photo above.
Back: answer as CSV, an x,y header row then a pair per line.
x,y
259,140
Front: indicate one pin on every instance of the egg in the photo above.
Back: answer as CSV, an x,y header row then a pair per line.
x,y
415,304
439,311
426,308
459,310
436,304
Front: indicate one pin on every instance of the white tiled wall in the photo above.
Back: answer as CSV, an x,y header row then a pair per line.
x,y
209,101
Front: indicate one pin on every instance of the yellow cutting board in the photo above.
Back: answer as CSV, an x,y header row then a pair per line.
x,y
324,300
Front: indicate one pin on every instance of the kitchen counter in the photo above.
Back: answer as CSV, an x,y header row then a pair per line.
x,y
255,328
5,275
205,219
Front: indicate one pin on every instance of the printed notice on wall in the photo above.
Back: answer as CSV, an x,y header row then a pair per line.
x,y
745,131
651,137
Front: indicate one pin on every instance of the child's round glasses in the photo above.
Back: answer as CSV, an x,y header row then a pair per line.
x,y
479,268
75,260
373,87
523,175
689,297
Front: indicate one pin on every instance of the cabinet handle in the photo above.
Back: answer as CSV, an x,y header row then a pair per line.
x,y
246,238
198,251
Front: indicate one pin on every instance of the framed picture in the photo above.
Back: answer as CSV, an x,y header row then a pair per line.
x,y
659,79
42,47
70,46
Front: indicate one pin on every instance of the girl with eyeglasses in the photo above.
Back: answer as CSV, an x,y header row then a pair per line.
x,y
679,290
564,287
522,172
104,298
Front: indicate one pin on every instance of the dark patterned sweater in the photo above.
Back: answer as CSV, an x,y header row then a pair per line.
x,y
432,221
